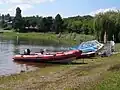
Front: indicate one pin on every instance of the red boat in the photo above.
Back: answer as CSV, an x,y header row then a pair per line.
x,y
63,57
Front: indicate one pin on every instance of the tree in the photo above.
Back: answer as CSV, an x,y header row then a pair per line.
x,y
42,26
58,24
8,17
27,23
80,24
106,25
85,29
3,21
49,23
116,19
76,26
18,21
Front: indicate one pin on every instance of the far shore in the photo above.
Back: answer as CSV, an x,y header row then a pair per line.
x,y
71,38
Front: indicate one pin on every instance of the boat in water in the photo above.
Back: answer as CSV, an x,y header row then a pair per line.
x,y
57,57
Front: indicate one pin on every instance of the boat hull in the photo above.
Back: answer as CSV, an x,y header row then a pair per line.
x,y
58,57
87,55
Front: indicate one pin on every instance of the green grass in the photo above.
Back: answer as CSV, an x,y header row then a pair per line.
x,y
111,79
71,38
111,82
117,47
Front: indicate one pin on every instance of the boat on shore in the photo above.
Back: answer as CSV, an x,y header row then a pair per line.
x,y
56,57
89,48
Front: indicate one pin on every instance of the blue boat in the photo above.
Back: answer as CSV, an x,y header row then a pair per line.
x,y
88,48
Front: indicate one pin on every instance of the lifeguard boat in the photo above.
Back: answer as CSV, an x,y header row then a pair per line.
x,y
60,57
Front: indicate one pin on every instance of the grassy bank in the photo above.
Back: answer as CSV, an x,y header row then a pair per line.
x,y
71,38
95,74
111,82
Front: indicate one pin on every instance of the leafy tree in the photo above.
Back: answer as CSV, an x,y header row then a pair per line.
x,y
76,26
85,29
18,23
49,23
27,23
107,23
42,25
8,18
58,24
3,21
80,24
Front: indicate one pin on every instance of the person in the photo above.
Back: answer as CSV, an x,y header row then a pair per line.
x,y
27,52
41,51
112,46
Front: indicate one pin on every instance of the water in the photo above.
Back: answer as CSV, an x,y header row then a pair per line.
x,y
9,48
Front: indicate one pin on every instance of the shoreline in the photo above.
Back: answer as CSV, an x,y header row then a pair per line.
x,y
64,76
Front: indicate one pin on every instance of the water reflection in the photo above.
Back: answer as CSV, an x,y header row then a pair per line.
x,y
8,48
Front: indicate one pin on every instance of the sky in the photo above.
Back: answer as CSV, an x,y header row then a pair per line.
x,y
66,8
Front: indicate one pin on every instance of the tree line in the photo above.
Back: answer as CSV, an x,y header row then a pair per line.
x,y
33,23
47,24
103,25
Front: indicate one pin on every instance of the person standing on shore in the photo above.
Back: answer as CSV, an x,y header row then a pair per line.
x,y
112,43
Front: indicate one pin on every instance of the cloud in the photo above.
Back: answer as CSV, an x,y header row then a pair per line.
x,y
103,11
23,7
24,1
12,10
23,4
52,0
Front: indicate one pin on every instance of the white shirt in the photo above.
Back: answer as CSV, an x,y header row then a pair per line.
x,y
112,43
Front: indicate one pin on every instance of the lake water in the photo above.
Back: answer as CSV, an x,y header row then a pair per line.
x,y
9,48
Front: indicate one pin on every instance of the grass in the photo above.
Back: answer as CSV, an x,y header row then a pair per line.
x,y
117,47
71,38
112,79
111,82
104,77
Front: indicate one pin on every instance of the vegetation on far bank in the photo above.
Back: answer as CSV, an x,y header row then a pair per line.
x,y
71,38
104,26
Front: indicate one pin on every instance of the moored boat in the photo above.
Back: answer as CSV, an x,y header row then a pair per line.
x,y
60,57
